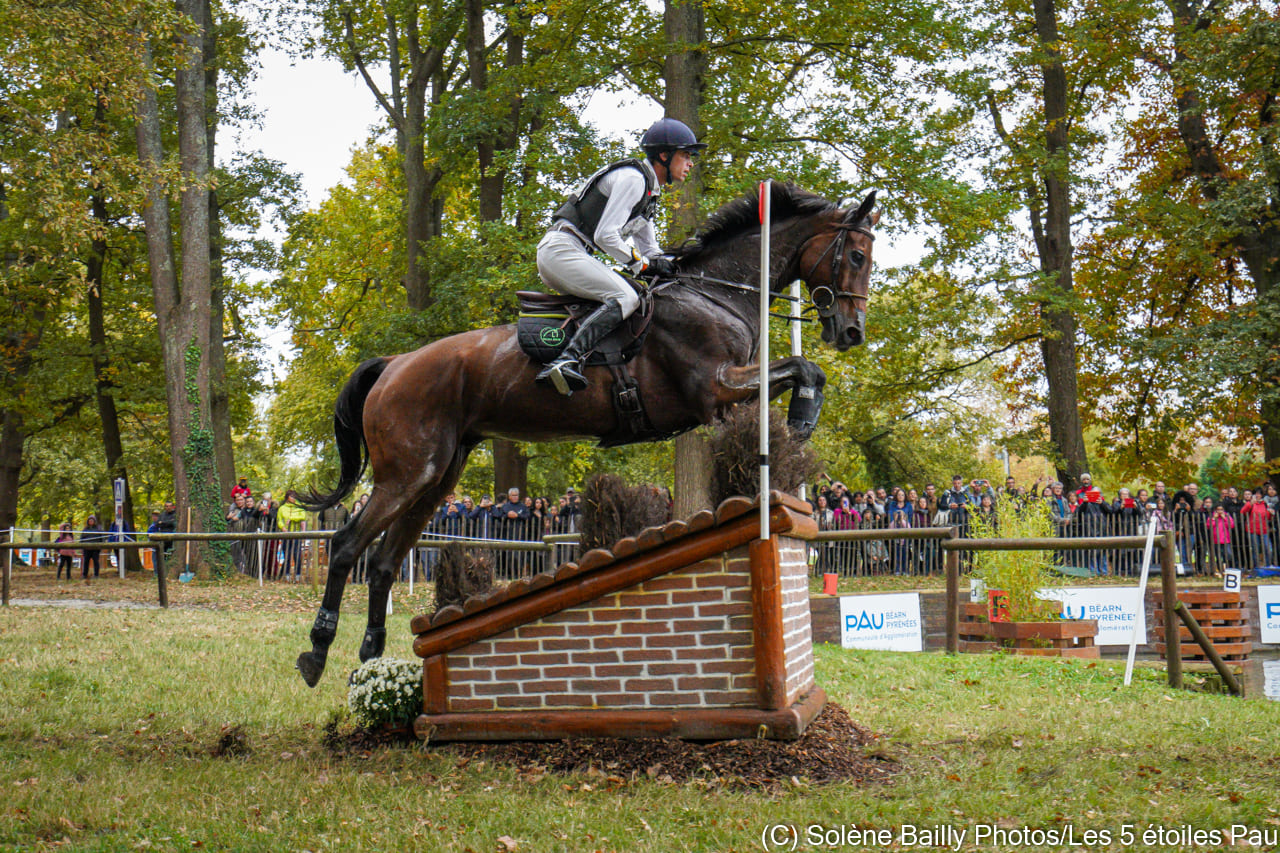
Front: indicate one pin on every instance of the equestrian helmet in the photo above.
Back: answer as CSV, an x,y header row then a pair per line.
x,y
669,134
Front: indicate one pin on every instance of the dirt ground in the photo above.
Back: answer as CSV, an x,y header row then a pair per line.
x,y
832,749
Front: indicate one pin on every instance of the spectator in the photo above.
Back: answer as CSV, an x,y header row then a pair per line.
x,y
121,531
846,517
925,550
1257,524
826,518
978,488
242,488
899,513
481,520
292,518
1186,531
512,524
168,523
266,513
92,533
1091,517
241,518
957,503
931,495
1220,526
1127,520
66,555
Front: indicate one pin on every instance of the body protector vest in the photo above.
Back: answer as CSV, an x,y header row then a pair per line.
x,y
583,207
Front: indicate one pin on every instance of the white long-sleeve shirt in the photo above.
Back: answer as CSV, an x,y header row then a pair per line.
x,y
624,189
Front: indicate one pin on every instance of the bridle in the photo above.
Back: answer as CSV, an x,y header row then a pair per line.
x,y
824,297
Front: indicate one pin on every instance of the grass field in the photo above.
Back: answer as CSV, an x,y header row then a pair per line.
x,y
111,721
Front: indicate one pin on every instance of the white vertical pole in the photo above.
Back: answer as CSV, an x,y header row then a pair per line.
x,y
117,488
8,566
262,552
795,347
413,570
766,221
1140,618
795,317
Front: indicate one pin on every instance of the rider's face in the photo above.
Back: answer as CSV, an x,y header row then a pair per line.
x,y
681,163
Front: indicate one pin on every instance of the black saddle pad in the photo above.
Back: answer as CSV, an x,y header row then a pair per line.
x,y
548,320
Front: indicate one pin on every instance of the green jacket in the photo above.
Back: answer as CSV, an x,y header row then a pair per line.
x,y
291,516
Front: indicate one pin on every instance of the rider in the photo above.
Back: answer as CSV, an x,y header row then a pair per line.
x,y
614,204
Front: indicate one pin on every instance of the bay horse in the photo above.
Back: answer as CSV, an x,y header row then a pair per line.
x,y
414,418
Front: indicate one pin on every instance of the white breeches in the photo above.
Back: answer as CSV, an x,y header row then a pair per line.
x,y
565,265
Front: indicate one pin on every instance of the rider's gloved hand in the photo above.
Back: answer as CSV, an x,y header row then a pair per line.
x,y
658,267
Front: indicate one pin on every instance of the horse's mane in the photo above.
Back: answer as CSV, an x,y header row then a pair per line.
x,y
738,215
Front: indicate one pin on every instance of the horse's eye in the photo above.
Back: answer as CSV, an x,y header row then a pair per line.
x,y
856,258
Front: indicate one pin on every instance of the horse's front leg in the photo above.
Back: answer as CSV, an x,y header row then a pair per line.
x,y
738,384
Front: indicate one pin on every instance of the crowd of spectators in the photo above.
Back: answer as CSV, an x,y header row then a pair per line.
x,y
1236,531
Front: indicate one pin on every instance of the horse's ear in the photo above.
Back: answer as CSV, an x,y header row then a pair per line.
x,y
854,217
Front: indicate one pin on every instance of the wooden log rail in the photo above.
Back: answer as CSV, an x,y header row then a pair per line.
x,y
155,540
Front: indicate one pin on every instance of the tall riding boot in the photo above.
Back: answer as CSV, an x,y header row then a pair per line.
x,y
565,373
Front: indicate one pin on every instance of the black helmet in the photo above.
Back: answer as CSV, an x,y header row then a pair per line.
x,y
669,134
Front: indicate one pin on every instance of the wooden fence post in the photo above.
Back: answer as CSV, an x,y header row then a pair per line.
x,y
1169,587
953,595
161,581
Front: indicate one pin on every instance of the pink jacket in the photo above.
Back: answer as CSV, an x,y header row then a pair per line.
x,y
1220,527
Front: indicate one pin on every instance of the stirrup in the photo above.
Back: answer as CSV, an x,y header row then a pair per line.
x,y
564,375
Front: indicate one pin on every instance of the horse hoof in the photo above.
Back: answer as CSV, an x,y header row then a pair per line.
x,y
802,430
375,640
311,666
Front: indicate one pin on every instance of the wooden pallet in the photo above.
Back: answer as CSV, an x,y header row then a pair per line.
x,y
1220,614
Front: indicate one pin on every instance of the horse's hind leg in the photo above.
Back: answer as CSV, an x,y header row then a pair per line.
x,y
396,545
347,546
399,541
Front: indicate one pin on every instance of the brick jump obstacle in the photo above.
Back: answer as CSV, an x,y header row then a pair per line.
x,y
698,629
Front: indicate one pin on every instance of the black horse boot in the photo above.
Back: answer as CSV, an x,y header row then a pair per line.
x,y
803,411
565,373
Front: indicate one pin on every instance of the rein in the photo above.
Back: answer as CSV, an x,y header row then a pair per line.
x,y
821,299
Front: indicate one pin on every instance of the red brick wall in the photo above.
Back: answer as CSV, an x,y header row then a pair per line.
x,y
680,640
796,631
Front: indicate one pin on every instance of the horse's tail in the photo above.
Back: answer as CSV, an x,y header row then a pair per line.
x,y
348,432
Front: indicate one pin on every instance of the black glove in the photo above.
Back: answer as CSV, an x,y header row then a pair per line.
x,y
658,267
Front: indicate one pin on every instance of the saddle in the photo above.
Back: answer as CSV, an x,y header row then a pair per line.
x,y
548,320
546,323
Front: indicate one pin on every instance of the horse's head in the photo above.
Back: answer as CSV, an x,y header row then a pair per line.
x,y
836,265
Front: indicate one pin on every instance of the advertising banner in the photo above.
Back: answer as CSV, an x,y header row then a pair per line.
x,y
1269,613
1115,608
890,622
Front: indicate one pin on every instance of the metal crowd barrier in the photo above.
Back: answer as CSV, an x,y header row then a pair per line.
x,y
895,550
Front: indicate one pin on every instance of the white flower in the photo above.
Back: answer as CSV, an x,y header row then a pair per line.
x,y
386,690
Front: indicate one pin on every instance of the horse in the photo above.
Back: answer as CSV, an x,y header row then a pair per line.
x,y
414,418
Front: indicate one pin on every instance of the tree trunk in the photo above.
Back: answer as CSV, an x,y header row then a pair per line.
x,y
510,462
219,395
1054,245
13,439
1255,240
683,73
183,312
510,469
112,444
13,434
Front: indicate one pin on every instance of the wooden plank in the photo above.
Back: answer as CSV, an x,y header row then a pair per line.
x,y
435,685
766,623
690,723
